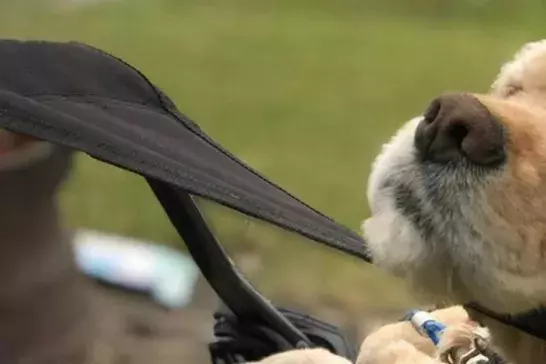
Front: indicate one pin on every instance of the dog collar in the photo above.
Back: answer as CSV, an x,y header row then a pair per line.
x,y
423,322
532,322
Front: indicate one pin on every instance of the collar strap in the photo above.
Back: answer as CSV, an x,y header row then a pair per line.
x,y
532,322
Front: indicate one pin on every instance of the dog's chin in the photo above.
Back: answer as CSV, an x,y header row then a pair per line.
x,y
435,276
433,233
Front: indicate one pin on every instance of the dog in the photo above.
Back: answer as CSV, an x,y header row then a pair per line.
x,y
458,210
458,201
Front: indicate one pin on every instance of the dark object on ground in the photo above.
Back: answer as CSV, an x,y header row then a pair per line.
x,y
240,341
132,329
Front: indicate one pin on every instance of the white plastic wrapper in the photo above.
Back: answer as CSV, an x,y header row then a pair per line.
x,y
166,274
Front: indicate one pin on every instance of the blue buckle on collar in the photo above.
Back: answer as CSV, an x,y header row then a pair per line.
x,y
426,325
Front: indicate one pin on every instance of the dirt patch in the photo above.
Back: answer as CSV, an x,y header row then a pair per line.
x,y
135,330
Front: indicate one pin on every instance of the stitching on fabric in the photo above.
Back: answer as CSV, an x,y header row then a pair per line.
x,y
95,98
169,107
174,175
174,112
328,233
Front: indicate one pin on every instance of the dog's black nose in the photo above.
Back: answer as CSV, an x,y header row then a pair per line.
x,y
458,126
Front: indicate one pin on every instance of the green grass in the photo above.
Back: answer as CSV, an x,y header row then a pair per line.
x,y
305,92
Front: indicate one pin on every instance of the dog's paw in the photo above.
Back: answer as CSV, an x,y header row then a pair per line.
x,y
400,342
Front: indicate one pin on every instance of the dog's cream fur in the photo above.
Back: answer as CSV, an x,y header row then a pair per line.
x,y
489,240
489,244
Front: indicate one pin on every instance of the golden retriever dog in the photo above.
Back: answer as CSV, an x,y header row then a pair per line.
x,y
458,209
458,200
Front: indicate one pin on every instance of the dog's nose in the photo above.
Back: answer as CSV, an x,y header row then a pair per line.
x,y
458,126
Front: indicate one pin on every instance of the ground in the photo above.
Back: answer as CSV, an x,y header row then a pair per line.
x,y
134,330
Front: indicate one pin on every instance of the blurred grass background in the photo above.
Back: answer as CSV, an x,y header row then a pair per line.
x,y
305,91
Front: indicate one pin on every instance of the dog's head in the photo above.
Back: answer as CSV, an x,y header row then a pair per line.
x,y
458,196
